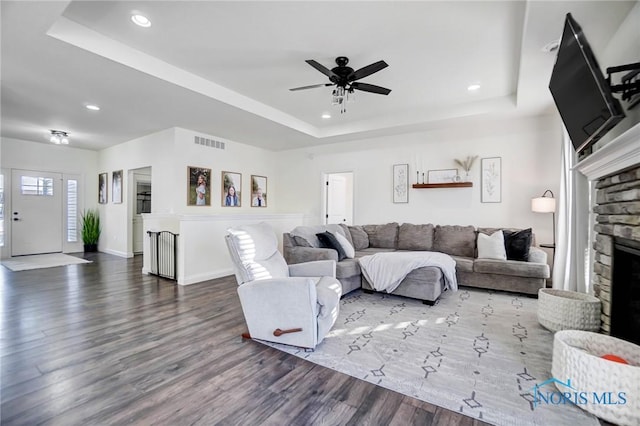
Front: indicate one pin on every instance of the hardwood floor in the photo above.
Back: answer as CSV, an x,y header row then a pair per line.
x,y
101,343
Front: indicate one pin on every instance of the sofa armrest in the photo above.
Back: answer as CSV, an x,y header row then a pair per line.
x,y
537,255
319,268
300,254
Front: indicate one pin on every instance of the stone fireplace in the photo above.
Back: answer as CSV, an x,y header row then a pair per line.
x,y
614,172
617,237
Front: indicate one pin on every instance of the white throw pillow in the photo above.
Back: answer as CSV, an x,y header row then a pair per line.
x,y
349,251
491,246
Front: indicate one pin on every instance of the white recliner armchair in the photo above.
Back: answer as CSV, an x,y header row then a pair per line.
x,y
291,304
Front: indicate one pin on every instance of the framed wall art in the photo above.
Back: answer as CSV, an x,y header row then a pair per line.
x,y
116,187
442,176
198,186
400,183
491,169
258,191
103,193
231,189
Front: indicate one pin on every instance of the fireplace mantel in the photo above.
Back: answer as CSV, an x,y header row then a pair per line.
x,y
619,154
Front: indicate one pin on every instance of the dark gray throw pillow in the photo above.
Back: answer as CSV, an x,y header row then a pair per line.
x,y
328,240
517,243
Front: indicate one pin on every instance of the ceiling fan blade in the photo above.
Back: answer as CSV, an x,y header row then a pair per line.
x,y
371,88
324,70
311,87
368,70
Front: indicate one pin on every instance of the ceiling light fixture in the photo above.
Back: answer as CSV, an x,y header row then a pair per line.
x,y
473,87
326,115
59,137
340,96
92,107
141,20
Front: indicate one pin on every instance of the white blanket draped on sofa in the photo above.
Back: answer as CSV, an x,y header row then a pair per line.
x,y
385,271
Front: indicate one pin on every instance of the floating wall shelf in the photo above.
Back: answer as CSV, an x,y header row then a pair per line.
x,y
443,185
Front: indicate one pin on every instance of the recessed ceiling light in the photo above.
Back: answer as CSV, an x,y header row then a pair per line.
x,y
326,115
141,20
92,107
473,87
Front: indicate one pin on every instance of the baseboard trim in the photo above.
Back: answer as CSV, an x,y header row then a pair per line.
x,y
194,279
117,253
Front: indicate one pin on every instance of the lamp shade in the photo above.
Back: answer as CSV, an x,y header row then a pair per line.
x,y
543,205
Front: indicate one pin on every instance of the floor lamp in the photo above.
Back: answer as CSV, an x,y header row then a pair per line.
x,y
546,204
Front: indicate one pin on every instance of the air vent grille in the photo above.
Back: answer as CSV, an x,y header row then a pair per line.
x,y
211,143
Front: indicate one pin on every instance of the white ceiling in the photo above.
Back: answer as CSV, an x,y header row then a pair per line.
x,y
224,68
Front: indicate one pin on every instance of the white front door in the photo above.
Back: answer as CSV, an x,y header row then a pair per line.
x,y
36,212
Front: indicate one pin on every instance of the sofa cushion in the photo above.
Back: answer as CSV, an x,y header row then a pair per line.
x,y
517,244
415,237
464,264
372,250
328,240
490,231
511,267
382,236
359,237
347,268
491,246
455,240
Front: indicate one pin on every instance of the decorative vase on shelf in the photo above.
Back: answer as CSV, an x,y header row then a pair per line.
x,y
467,177
457,178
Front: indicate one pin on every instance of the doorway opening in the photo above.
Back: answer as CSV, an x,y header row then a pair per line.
x,y
338,200
141,203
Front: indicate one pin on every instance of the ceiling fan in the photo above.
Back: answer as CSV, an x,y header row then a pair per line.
x,y
344,78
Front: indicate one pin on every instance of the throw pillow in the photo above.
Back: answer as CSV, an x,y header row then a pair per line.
x,y
491,246
517,244
348,249
328,240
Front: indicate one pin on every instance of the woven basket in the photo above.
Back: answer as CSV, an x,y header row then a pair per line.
x,y
577,356
568,310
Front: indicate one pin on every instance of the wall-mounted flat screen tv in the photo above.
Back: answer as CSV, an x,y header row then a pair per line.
x,y
581,93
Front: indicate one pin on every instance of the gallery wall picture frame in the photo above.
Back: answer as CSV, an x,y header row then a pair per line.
x,y
491,175
103,192
231,189
198,186
259,191
401,183
116,187
442,176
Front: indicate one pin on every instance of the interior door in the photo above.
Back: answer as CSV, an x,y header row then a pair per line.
x,y
339,198
36,213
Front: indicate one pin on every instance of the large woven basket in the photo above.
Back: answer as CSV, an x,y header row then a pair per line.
x,y
577,357
568,310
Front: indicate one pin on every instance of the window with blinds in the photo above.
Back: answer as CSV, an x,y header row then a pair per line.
x,y
30,185
72,211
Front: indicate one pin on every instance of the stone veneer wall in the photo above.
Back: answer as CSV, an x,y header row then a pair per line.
x,y
618,215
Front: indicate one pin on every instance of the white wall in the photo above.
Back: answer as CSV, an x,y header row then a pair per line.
x,y
530,151
624,48
21,154
169,153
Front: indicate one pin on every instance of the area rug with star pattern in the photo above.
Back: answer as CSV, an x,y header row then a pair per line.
x,y
477,352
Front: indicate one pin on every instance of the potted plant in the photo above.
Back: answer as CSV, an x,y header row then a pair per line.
x,y
90,229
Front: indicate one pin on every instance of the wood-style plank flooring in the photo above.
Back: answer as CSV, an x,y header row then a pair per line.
x,y
101,343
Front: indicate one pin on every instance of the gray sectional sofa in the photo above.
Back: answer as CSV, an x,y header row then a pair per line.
x,y
426,283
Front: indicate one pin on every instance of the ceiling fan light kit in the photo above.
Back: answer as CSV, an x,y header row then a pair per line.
x,y
344,78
